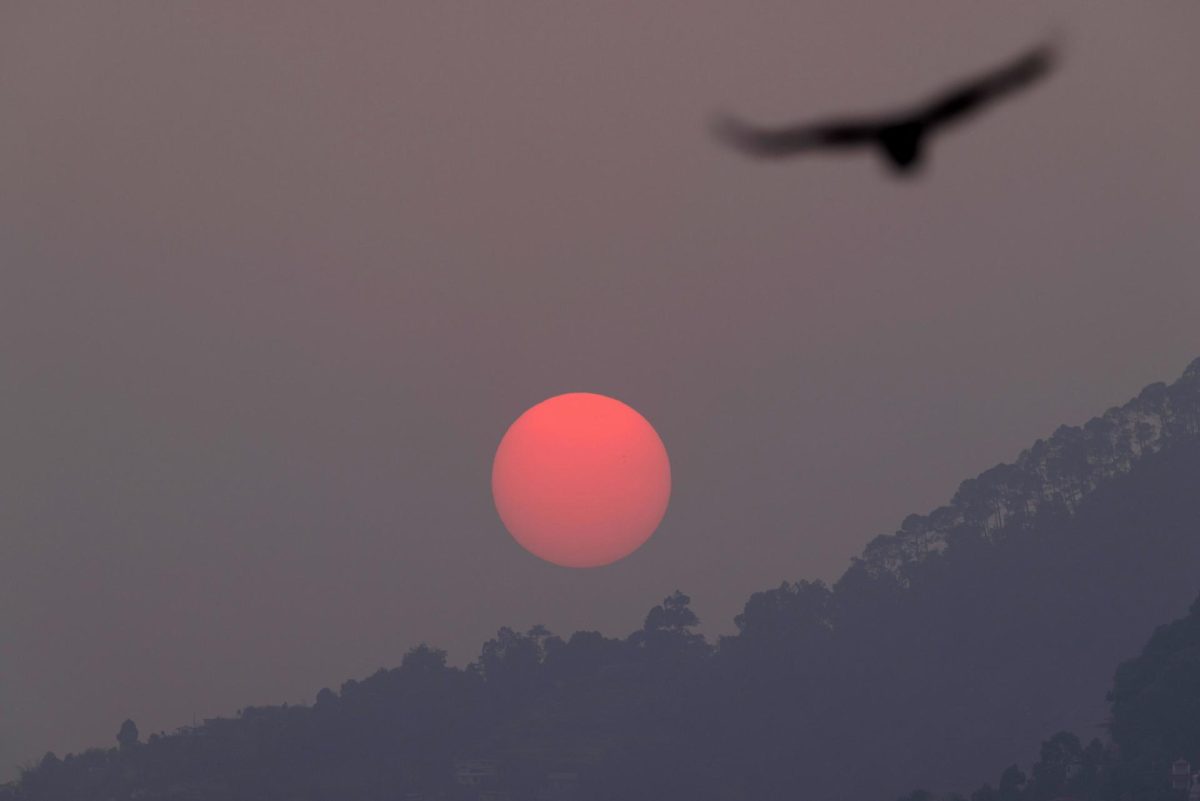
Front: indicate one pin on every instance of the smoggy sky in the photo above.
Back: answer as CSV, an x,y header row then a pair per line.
x,y
273,283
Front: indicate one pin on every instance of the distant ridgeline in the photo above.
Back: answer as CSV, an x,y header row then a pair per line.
x,y
1058,474
947,651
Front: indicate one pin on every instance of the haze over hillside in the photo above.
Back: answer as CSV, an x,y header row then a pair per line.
x,y
1153,742
947,651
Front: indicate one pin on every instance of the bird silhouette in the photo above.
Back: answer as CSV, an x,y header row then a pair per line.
x,y
900,136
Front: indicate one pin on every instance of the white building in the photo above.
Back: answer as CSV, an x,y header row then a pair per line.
x,y
476,772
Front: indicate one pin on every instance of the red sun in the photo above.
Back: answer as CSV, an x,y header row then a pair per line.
x,y
581,480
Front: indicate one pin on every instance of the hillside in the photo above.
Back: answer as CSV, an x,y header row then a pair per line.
x,y
943,654
1153,748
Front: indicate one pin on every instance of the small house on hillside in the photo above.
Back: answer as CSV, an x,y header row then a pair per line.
x,y
476,772
1184,781
1181,776
561,786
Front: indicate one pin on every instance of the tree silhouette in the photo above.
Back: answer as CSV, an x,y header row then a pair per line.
x,y
127,737
958,641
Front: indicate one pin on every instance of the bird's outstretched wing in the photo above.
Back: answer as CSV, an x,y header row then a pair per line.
x,y
973,94
900,135
787,141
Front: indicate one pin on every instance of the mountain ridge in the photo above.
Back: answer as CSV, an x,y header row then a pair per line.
x,y
1013,493
941,664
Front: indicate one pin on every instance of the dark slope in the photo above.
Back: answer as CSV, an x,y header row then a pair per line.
x,y
1154,722
943,654
955,645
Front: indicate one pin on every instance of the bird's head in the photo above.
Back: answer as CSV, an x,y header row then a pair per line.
x,y
902,145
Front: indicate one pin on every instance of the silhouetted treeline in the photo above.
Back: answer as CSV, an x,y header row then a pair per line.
x,y
1152,752
950,648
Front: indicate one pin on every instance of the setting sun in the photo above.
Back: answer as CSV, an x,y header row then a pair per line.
x,y
581,480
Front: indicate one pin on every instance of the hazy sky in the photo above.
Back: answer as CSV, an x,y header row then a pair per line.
x,y
273,283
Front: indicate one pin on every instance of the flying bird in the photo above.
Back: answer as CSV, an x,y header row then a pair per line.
x,y
900,136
